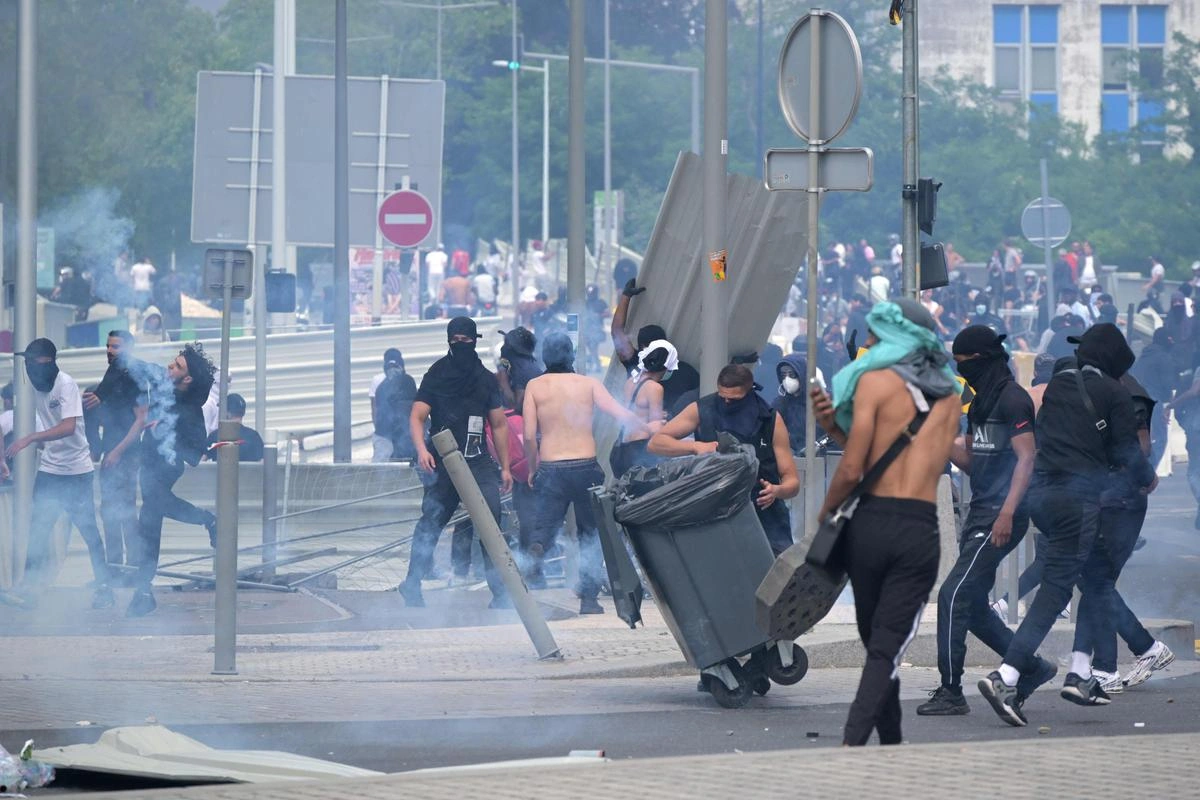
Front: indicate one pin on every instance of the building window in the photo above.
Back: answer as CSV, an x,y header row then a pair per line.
x,y
1025,39
1132,39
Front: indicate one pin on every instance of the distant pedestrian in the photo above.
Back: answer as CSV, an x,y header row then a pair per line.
x,y
391,408
435,267
141,275
250,447
484,286
64,478
560,408
677,382
643,395
385,419
120,404
516,369
460,395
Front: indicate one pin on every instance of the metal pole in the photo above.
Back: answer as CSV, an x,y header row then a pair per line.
x,y
278,213
341,246
516,177
270,495
604,251
225,561
715,304
491,539
439,40
813,486
696,112
910,241
545,151
758,84
1046,247
226,313
576,199
25,306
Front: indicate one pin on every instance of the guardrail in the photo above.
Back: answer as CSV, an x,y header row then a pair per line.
x,y
299,367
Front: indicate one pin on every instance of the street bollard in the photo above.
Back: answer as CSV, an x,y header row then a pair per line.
x,y
270,496
225,562
497,548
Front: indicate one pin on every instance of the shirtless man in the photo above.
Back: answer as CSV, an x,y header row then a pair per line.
x,y
643,395
559,406
891,544
456,296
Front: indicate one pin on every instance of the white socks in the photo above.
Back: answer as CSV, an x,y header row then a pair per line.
x,y
1010,675
1081,664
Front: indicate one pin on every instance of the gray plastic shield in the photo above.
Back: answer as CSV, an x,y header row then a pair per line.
x,y
840,71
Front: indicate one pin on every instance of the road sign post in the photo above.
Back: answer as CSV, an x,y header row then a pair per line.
x,y
1046,222
227,274
820,84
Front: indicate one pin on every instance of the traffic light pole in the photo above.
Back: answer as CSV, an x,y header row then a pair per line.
x,y
909,237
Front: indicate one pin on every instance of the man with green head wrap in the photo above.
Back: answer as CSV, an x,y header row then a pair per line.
x,y
902,386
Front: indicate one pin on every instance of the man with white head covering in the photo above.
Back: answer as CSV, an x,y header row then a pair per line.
x,y
643,395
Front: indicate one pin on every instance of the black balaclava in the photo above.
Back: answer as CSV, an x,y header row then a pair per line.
x,y
558,354
42,376
988,373
1102,346
464,355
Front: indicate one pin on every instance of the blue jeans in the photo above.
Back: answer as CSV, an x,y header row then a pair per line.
x,y
558,485
1067,511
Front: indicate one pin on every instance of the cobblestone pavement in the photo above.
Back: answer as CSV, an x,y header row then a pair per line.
x,y
1166,766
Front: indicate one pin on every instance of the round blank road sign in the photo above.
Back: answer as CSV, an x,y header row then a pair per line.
x,y
840,76
1056,215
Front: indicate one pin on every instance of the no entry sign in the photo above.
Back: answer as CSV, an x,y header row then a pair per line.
x,y
405,218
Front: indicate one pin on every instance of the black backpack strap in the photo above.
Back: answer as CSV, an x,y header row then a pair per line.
x,y
1099,421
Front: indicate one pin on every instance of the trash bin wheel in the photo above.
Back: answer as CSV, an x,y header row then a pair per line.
x,y
723,695
761,685
786,676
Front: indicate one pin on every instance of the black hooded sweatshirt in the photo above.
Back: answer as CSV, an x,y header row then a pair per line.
x,y
1070,447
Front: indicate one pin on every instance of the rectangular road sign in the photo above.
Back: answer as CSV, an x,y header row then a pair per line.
x,y
842,169
384,149
214,273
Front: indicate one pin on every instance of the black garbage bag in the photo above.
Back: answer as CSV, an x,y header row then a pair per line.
x,y
690,490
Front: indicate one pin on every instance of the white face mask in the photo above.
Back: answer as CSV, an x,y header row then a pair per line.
x,y
791,384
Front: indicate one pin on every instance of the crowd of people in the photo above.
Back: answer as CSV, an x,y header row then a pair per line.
x,y
151,297
1073,455
140,428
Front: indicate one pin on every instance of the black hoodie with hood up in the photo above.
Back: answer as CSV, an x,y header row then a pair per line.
x,y
1070,446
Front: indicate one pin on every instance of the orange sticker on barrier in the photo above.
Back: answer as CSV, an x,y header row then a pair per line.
x,y
716,262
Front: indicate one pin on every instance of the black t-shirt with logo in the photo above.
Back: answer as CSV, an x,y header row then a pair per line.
x,y
993,459
459,401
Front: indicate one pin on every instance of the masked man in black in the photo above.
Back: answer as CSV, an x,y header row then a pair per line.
x,y
1086,428
737,409
457,394
997,453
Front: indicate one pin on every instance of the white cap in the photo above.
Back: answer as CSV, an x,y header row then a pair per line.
x,y
672,354
529,294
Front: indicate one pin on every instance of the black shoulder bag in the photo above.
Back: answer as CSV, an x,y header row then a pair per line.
x,y
823,552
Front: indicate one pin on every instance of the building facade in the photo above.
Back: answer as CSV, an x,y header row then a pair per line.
x,y
1082,59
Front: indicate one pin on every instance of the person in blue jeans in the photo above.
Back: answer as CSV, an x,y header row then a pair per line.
x,y
561,453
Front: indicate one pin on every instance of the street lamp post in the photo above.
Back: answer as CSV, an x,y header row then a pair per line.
x,y
545,70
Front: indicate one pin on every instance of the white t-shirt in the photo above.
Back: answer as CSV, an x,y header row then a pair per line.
x,y
375,383
69,455
485,288
212,406
436,262
897,253
880,287
141,273
6,423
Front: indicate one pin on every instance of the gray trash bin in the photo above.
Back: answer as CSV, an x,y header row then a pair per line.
x,y
704,554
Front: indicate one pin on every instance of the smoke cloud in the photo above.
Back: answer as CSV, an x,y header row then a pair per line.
x,y
89,234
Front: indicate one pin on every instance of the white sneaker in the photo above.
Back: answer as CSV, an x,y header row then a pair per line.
x,y
1000,607
1154,659
1110,682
